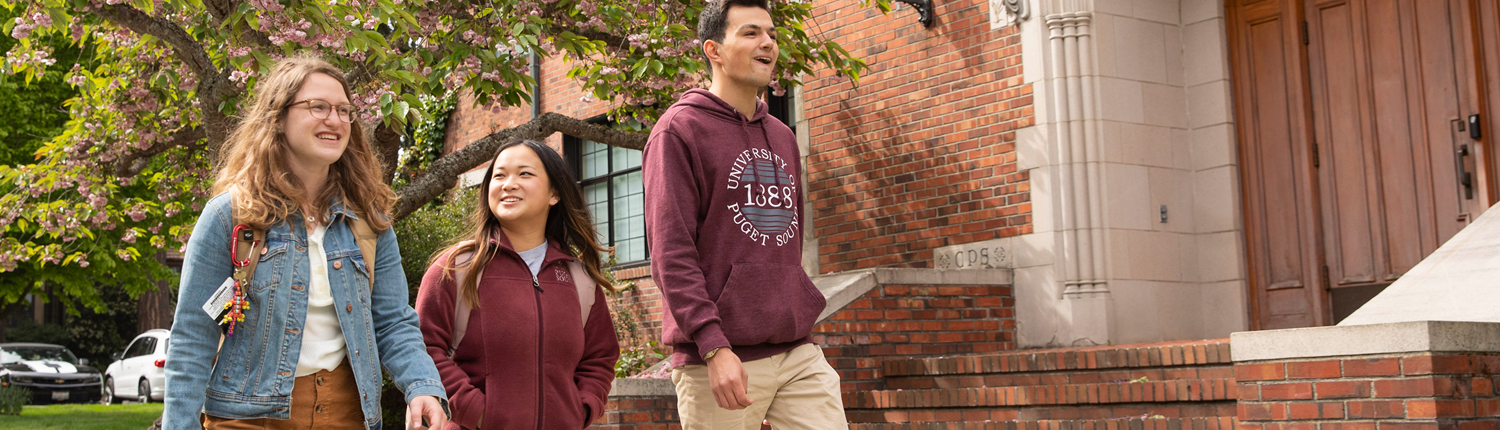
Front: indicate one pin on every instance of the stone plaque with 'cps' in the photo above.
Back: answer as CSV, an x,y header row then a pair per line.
x,y
989,254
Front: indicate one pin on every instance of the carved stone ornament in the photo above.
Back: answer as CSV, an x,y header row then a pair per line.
x,y
1005,13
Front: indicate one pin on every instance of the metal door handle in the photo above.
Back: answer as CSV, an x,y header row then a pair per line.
x,y
1465,178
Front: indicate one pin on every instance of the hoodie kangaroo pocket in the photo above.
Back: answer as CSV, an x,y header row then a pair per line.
x,y
768,303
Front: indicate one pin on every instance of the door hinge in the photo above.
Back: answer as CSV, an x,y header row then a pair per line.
x,y
1305,38
1316,163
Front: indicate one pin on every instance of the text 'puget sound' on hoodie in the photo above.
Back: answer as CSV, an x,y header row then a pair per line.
x,y
724,226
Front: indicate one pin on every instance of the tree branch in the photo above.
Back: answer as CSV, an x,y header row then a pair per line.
x,y
136,161
587,130
213,86
444,172
219,10
186,49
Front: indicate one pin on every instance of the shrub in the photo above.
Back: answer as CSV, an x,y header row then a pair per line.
x,y
29,331
98,335
429,229
422,234
638,351
12,398
94,335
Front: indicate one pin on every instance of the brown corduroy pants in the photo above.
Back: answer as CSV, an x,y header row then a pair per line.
x,y
323,400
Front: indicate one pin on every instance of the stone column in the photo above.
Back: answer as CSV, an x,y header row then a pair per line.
x,y
1075,115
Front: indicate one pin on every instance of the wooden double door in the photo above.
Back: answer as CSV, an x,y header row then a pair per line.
x,y
1363,132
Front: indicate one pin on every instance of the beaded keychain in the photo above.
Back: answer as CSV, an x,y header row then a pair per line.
x,y
238,304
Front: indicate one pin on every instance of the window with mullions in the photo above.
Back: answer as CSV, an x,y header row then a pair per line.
x,y
615,194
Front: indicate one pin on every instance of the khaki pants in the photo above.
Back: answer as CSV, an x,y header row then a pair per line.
x,y
796,389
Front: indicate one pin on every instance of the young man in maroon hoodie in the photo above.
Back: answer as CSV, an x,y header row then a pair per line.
x,y
723,220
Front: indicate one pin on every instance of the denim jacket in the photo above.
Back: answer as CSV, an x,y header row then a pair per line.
x,y
253,376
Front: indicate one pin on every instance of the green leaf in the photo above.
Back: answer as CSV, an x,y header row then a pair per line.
x,y
377,38
401,109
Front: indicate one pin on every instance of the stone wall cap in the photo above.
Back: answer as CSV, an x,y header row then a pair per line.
x,y
919,276
642,387
1390,338
842,288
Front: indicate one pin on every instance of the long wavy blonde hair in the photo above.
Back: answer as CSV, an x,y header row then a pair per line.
x,y
254,165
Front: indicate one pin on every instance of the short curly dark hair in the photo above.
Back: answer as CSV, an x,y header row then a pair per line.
x,y
714,19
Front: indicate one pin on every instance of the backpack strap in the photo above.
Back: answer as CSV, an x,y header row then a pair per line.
x,y
461,308
248,248
366,239
585,285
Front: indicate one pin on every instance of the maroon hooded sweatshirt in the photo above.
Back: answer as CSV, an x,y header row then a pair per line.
x,y
724,226
526,361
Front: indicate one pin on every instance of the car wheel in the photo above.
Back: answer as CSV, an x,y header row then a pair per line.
x,y
144,391
109,393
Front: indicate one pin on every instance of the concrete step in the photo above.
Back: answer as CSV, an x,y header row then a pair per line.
x,y
1181,390
1035,413
1197,353
1022,379
1132,423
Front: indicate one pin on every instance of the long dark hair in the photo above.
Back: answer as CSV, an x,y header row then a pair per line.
x,y
568,224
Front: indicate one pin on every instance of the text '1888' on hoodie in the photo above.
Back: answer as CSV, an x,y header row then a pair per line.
x,y
724,226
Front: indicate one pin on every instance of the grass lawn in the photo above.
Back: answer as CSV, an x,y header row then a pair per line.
x,y
84,417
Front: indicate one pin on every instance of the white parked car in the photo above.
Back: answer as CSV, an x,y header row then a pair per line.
x,y
139,372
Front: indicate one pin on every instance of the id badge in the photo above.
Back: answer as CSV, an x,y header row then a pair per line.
x,y
219,301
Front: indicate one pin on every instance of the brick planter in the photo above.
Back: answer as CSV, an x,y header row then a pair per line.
x,y
1402,376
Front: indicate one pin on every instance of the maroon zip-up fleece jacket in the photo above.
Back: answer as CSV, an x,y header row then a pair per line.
x,y
526,361
724,226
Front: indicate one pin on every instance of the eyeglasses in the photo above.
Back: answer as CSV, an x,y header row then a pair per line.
x,y
320,109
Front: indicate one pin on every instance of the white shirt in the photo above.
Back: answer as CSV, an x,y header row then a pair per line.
x,y
323,345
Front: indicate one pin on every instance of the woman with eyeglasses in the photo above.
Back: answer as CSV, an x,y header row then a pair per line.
x,y
292,297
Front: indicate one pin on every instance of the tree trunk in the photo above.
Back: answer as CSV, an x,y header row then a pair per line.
x,y
154,309
387,147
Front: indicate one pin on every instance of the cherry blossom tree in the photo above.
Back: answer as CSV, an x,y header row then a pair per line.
x,y
124,181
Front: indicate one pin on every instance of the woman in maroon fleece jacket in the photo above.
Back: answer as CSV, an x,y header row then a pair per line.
x,y
527,360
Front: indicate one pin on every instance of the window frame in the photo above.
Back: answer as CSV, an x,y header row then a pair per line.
x,y
573,151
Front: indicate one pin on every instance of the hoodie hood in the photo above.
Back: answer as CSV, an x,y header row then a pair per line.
x,y
719,109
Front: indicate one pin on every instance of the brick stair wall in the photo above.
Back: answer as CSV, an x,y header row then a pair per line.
x,y
904,321
1196,423
1410,391
1093,386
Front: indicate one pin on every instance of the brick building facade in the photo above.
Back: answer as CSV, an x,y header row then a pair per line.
x,y
1125,167
920,155
1122,157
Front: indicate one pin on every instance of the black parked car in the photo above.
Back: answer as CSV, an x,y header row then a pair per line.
x,y
51,372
